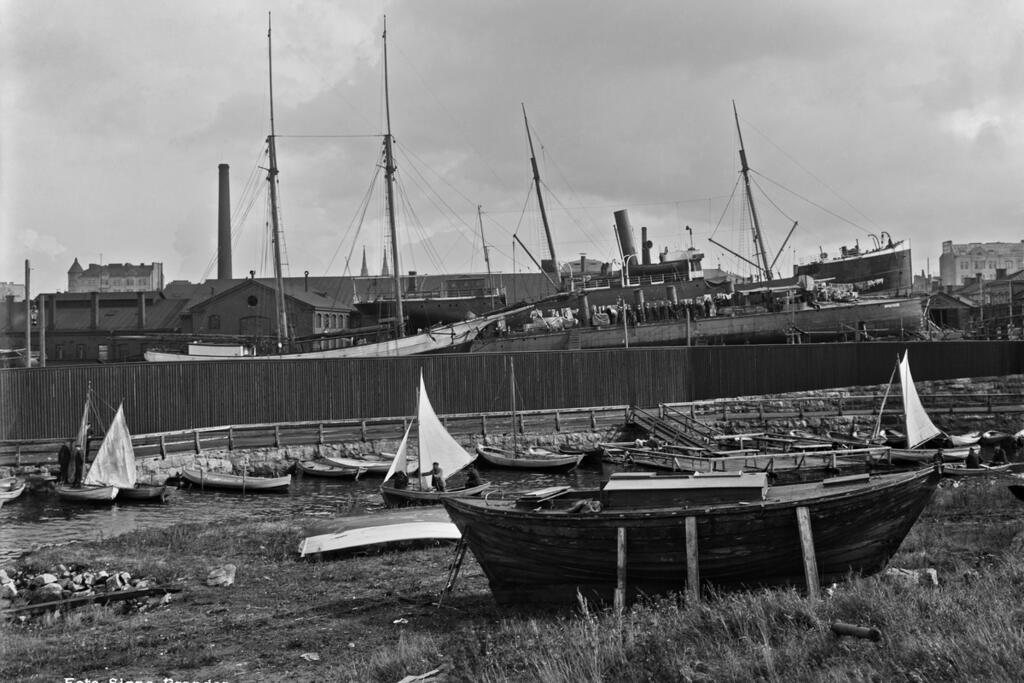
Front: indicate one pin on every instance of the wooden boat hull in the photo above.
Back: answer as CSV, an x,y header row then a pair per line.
x,y
143,492
499,457
319,469
379,535
959,470
375,467
234,482
87,494
9,493
542,555
403,497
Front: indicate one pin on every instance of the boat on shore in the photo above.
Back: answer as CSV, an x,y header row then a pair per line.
x,y
204,479
555,545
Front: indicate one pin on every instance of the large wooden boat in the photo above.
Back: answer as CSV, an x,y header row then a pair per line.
x,y
235,482
560,543
436,445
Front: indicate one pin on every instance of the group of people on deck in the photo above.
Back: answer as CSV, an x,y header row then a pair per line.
x,y
974,460
437,482
72,466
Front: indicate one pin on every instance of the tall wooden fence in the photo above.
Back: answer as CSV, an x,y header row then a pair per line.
x,y
46,403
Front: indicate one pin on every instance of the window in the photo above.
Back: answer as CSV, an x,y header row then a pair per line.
x,y
102,352
60,351
319,321
213,322
80,352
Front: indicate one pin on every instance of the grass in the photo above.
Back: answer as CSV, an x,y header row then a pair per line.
x,y
372,617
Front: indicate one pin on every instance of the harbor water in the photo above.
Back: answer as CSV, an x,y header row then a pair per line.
x,y
39,518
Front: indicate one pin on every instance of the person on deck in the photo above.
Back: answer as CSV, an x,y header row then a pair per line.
x,y
437,477
64,461
79,462
998,455
973,462
472,477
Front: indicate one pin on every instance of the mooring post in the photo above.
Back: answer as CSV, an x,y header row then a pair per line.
x,y
558,422
483,424
803,518
320,434
593,420
231,438
277,436
163,447
195,434
362,429
692,568
620,575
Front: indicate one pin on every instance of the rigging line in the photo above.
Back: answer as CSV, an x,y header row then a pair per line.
x,y
572,190
357,221
433,196
812,175
732,196
328,137
772,201
413,220
413,156
245,202
815,204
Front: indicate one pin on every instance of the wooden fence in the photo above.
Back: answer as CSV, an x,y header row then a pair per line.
x,y
46,403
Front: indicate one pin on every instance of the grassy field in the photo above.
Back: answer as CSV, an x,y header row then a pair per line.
x,y
374,617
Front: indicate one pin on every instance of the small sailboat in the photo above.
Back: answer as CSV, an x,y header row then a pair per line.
x,y
436,445
87,493
530,458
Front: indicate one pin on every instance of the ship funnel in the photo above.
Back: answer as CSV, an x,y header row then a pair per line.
x,y
645,247
224,225
625,232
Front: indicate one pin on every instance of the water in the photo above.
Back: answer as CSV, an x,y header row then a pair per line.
x,y
40,518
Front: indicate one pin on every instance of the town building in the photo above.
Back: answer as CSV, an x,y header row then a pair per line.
x,y
960,263
116,277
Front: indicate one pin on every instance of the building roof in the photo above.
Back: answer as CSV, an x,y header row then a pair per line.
x,y
116,270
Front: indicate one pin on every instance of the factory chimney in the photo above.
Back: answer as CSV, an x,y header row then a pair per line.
x,y
224,225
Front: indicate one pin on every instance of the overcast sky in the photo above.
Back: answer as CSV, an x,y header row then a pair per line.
x,y
857,118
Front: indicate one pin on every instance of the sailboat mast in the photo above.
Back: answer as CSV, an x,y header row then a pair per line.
x,y
389,175
282,312
487,257
540,196
755,224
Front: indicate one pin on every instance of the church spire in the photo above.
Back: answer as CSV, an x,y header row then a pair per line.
x,y
384,269
364,271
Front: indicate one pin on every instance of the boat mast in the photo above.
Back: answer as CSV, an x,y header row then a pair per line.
x,y
755,225
487,257
540,198
389,175
282,313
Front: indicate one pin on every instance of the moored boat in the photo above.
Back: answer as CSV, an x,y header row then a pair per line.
x,y
142,491
204,478
86,494
553,547
11,489
377,467
316,468
530,459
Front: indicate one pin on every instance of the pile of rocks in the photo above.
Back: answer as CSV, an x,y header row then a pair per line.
x,y
19,588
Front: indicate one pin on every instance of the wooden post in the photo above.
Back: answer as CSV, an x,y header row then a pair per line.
x,y
593,420
483,424
231,438
195,434
320,434
558,422
803,518
692,567
163,447
277,436
620,575
362,429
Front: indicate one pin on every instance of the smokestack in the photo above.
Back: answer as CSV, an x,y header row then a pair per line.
x,y
141,307
625,233
224,225
645,245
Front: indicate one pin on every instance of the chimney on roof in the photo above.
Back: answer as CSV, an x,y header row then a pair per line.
x,y
142,310
224,225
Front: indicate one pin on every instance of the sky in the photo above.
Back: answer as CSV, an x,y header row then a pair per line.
x,y
857,119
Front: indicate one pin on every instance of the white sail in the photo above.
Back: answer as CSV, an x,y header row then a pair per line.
x,y
436,444
399,464
919,426
114,464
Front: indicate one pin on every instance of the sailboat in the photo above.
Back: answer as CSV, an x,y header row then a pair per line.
x,y
918,426
112,473
531,458
450,336
435,445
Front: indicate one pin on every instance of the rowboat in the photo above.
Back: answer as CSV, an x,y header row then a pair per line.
x,y
11,489
142,491
959,470
87,494
378,467
531,459
219,480
552,545
314,468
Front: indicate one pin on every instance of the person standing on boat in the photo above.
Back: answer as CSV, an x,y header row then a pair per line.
x,y
973,461
437,477
79,462
64,461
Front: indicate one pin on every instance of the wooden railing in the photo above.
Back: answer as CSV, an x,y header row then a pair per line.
x,y
228,438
